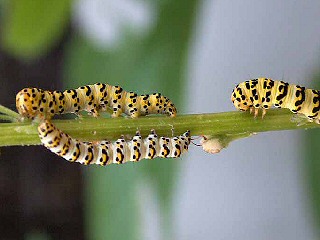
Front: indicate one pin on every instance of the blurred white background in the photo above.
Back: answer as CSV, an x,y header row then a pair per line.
x,y
254,189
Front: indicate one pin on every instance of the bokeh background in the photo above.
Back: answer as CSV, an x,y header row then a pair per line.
x,y
194,52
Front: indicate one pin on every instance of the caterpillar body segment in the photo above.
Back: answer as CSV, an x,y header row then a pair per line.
x,y
33,102
107,152
263,93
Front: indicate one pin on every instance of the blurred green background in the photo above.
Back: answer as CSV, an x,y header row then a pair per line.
x,y
145,61
143,46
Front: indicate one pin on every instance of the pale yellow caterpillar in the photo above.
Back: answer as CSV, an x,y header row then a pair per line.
x,y
262,93
33,102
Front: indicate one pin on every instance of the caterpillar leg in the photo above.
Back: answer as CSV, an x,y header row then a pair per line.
x,y
95,113
264,111
117,111
255,112
92,110
115,114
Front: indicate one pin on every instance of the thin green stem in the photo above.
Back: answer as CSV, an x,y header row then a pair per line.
x,y
9,112
214,124
8,118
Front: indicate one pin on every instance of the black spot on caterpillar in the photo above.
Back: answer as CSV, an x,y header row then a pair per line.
x,y
263,93
33,102
106,152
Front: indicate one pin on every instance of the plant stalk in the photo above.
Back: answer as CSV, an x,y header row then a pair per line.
x,y
212,124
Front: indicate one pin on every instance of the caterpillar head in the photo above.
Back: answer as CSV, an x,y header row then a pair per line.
x,y
240,99
169,107
27,102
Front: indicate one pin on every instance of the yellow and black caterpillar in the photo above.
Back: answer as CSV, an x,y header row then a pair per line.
x,y
33,102
263,93
106,152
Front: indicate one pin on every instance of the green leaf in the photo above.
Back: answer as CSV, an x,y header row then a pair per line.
x,y
31,28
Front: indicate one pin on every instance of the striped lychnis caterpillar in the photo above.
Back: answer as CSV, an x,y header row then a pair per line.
x,y
262,93
107,152
33,102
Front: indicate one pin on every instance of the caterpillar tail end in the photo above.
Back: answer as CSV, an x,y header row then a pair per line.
x,y
172,111
264,111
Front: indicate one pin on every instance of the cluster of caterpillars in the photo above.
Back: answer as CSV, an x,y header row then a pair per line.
x,y
37,103
253,95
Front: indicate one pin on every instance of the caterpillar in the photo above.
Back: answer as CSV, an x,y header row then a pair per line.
x,y
106,152
262,93
33,102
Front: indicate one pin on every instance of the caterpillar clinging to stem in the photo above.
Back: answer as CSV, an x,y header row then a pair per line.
x,y
33,102
262,93
107,152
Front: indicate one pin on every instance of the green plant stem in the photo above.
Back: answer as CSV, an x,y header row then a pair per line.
x,y
8,118
214,124
9,112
